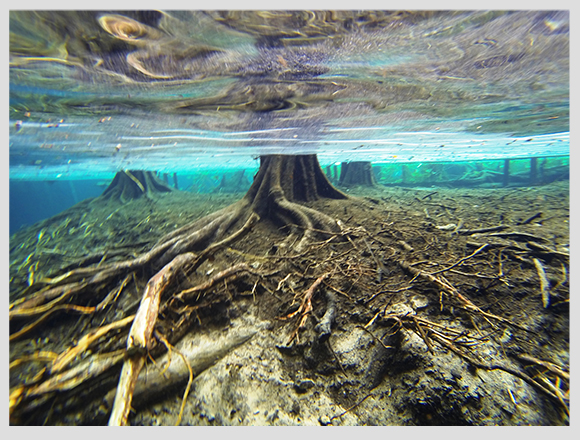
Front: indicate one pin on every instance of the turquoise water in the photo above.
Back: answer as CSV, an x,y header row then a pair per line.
x,y
73,149
191,92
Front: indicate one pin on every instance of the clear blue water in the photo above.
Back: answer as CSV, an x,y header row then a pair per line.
x,y
194,93
447,106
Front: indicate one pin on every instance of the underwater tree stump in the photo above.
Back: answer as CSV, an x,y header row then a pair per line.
x,y
75,360
131,184
279,193
281,183
233,183
357,173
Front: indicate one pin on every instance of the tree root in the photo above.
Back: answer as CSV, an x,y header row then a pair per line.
x,y
357,173
305,306
165,291
279,190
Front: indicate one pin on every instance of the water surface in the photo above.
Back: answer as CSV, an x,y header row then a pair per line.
x,y
186,92
101,91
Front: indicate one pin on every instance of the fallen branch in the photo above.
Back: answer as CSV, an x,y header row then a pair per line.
x,y
461,260
138,341
305,306
544,284
125,388
423,334
482,230
114,294
505,245
146,316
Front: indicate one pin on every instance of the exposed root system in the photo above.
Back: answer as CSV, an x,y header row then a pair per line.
x,y
320,267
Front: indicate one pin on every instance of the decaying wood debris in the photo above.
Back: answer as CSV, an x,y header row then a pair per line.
x,y
82,336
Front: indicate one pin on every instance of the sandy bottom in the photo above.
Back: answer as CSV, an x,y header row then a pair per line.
x,y
441,313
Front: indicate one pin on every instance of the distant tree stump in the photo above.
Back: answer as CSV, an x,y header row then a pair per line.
x,y
129,185
233,183
357,173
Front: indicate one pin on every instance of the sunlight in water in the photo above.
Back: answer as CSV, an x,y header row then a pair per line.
x,y
242,83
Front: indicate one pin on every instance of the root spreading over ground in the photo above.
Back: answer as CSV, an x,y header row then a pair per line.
x,y
347,298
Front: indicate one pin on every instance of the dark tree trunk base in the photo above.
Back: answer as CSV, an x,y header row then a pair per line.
x,y
281,186
282,182
357,173
129,185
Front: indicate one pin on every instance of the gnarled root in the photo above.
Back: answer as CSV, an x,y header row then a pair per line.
x,y
281,183
284,181
280,189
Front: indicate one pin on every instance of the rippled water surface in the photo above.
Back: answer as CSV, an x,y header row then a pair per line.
x,y
95,92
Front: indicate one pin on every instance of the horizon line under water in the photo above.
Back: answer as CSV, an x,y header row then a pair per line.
x,y
73,150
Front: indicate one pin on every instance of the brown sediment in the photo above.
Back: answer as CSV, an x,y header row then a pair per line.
x,y
421,316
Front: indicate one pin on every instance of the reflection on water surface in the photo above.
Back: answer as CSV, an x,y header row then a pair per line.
x,y
281,80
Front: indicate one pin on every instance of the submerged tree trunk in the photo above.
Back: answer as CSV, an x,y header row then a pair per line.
x,y
129,185
357,173
282,183
294,178
232,183
280,193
